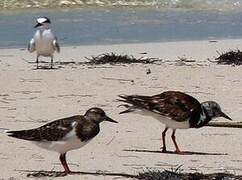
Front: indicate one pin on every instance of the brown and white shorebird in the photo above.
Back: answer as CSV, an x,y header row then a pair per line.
x,y
175,109
65,134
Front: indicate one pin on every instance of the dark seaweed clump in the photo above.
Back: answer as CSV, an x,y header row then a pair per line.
x,y
112,58
40,174
230,58
148,175
171,175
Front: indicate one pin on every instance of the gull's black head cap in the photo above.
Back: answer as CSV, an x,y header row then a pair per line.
x,y
42,20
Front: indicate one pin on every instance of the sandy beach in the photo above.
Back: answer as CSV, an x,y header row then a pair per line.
x,y
31,97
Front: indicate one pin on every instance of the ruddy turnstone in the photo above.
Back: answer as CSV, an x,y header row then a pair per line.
x,y
175,109
65,134
44,41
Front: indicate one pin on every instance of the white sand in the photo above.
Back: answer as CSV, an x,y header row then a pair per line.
x,y
29,96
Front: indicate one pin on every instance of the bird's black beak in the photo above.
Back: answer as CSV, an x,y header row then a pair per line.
x,y
109,119
126,111
37,25
225,116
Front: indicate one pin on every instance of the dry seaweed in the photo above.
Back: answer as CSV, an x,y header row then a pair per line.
x,y
230,58
174,175
41,174
112,58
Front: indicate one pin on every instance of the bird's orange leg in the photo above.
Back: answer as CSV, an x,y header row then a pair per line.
x,y
64,164
173,137
164,140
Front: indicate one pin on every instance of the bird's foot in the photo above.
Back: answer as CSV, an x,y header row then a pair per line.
x,y
163,150
68,173
177,151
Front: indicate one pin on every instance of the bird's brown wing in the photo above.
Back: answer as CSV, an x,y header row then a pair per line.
x,y
174,104
52,131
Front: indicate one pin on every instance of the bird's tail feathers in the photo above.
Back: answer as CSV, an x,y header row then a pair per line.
x,y
129,108
135,100
24,134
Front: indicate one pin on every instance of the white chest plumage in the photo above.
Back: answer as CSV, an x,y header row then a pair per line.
x,y
170,123
44,42
69,142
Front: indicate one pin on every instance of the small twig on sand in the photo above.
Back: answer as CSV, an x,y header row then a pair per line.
x,y
110,141
130,80
184,59
225,124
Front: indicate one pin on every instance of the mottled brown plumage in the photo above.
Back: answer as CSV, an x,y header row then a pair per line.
x,y
65,134
175,109
174,104
57,130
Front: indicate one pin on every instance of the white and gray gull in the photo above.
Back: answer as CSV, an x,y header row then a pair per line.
x,y
44,42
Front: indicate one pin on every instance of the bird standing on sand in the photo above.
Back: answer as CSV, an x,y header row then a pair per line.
x,y
65,134
175,109
44,41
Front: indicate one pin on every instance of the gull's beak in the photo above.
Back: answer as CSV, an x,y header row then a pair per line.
x,y
109,119
37,25
225,116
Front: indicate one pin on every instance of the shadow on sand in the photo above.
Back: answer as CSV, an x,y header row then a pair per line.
x,y
172,152
46,68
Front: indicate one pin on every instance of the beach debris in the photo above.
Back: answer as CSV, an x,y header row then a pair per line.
x,y
174,175
119,79
112,58
212,41
148,71
232,57
40,174
225,124
185,59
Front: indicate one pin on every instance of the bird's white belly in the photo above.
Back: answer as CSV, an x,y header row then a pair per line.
x,y
61,146
44,47
170,123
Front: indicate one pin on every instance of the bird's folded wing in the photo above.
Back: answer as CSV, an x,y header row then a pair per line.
x,y
56,45
31,45
174,104
52,131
